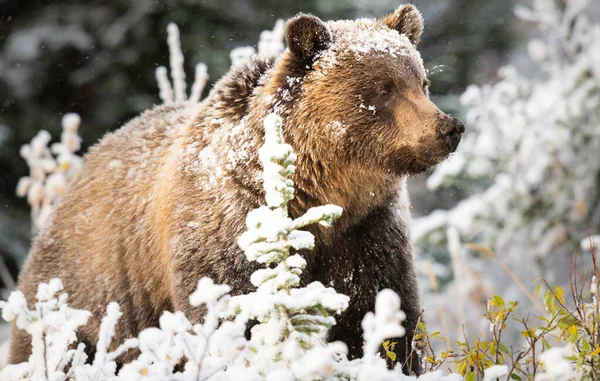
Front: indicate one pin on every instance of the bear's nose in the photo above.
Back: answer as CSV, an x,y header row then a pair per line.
x,y
459,126
455,126
451,133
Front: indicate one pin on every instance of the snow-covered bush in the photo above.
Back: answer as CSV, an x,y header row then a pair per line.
x,y
50,169
287,343
529,164
533,141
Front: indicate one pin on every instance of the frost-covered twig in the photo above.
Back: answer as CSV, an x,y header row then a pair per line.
x,y
385,323
50,169
176,92
200,81
176,62
270,44
271,41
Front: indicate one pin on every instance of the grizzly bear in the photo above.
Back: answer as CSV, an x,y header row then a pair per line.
x,y
162,201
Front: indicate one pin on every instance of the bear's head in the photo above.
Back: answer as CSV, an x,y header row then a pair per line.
x,y
358,92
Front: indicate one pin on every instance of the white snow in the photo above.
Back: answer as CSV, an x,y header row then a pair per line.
x,y
494,372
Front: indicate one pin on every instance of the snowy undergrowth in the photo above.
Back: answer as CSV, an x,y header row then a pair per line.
x,y
288,343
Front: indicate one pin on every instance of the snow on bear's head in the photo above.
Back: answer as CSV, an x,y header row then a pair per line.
x,y
363,85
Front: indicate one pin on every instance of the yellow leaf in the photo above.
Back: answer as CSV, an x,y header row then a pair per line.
x,y
559,294
595,352
573,332
392,356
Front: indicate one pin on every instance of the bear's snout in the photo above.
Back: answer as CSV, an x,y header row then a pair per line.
x,y
451,132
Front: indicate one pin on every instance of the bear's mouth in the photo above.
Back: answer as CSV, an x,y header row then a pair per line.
x,y
409,160
439,152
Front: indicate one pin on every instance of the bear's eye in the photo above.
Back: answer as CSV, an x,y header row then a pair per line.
x,y
385,90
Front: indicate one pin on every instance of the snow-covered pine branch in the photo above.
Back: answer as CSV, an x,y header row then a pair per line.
x,y
292,318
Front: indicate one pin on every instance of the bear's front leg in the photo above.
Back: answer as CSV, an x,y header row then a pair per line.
x,y
373,255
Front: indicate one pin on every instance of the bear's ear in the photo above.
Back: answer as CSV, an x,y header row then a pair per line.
x,y
306,36
406,20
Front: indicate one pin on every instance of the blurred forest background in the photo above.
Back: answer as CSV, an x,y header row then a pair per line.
x,y
525,181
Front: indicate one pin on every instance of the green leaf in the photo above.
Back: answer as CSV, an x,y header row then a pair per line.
x,y
586,345
392,355
515,376
546,344
569,320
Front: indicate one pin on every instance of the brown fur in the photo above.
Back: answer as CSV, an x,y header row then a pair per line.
x,y
161,202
